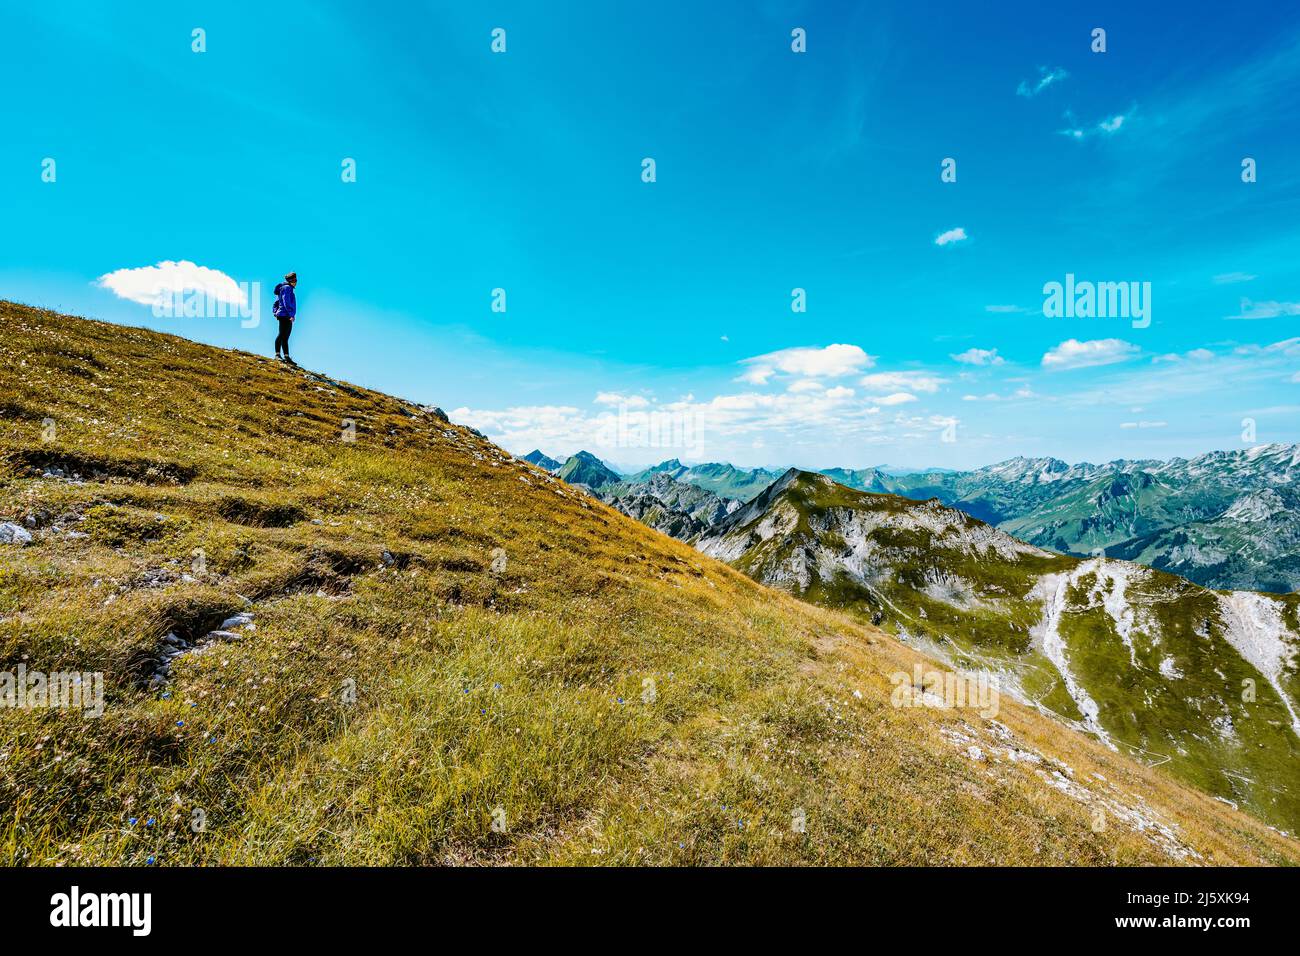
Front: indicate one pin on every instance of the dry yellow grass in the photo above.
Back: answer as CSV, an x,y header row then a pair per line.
x,y
610,696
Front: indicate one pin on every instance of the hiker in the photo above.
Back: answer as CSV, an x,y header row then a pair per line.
x,y
285,308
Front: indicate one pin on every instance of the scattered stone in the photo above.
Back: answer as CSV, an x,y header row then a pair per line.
x,y
11,533
30,521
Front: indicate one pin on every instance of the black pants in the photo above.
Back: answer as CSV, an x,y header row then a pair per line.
x,y
282,340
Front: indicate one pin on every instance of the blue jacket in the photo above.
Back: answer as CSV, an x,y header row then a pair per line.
x,y
286,304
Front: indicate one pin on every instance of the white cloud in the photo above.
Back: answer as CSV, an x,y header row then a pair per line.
x,y
716,428
1288,347
627,401
978,357
147,283
1023,392
806,385
1046,78
898,398
1228,278
1265,310
1295,377
901,381
952,235
1005,308
1075,354
1143,424
1195,355
1105,127
808,362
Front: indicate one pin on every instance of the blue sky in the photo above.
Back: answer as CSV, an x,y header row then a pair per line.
x,y
647,320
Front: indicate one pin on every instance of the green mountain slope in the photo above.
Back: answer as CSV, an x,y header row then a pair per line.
x,y
1184,515
1203,684
383,640
584,468
1254,543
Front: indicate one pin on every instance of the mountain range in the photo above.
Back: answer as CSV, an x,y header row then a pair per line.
x,y
1225,519
1203,683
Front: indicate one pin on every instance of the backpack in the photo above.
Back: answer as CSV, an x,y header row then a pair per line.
x,y
279,302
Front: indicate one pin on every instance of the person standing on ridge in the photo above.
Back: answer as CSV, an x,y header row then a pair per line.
x,y
285,308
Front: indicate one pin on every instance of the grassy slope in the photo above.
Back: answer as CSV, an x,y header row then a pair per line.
x,y
522,689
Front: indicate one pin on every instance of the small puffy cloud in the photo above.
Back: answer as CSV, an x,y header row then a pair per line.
x,y
951,236
626,401
898,398
1195,355
1075,354
147,284
1143,424
1104,127
901,381
978,357
1023,392
806,385
832,361
1046,77
1289,347
1265,310
838,392
1230,278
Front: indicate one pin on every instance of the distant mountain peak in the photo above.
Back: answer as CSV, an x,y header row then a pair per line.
x,y
541,460
584,468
